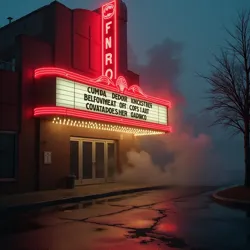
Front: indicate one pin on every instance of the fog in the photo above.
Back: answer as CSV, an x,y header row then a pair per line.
x,y
194,154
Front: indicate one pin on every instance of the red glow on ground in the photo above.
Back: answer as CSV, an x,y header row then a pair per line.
x,y
167,227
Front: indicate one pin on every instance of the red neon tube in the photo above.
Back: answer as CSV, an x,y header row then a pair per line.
x,y
100,82
115,35
61,111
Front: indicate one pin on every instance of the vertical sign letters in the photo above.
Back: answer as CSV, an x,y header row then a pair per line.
x,y
109,40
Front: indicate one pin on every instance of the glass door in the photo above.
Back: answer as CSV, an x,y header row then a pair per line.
x,y
74,159
92,160
99,161
111,160
87,161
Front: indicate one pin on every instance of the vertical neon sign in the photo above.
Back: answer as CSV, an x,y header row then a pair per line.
x,y
109,40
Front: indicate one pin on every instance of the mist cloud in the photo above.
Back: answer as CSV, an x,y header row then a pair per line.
x,y
162,69
187,156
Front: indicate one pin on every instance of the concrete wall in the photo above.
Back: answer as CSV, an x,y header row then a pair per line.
x,y
87,42
38,24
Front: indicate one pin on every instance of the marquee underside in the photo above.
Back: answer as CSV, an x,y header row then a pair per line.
x,y
68,117
104,126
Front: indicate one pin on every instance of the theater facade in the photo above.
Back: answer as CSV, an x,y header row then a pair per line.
x,y
71,106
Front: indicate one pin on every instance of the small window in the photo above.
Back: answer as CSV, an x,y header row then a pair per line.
x,y
8,65
8,155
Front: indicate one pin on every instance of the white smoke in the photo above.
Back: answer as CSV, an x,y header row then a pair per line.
x,y
188,156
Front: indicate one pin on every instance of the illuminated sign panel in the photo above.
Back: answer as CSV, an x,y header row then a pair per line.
x,y
107,98
109,40
85,97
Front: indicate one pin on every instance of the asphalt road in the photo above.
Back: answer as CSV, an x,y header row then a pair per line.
x,y
177,218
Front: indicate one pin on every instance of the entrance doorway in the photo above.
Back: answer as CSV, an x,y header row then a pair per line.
x,y
92,160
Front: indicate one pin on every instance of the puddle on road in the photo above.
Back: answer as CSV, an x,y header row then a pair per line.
x,y
85,204
147,236
74,206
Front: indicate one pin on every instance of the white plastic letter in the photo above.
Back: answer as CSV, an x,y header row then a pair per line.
x,y
108,26
108,59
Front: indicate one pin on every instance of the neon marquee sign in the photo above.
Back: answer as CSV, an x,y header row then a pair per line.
x,y
109,40
119,86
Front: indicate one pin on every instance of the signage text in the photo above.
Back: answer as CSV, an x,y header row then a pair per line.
x,y
109,40
84,97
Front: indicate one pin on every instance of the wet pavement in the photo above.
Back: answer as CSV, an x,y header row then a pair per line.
x,y
176,218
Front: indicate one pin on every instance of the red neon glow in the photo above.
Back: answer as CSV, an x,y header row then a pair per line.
x,y
109,39
121,83
47,111
137,90
102,82
167,227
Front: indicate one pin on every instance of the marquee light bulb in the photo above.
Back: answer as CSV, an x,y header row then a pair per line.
x,y
107,127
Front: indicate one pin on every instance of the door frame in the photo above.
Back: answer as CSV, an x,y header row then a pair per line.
x,y
112,178
94,180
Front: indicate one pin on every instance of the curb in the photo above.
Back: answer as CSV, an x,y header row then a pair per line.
x,y
42,204
229,200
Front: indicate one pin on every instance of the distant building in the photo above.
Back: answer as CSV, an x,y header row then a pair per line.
x,y
68,103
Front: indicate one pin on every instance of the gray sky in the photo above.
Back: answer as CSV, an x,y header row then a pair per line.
x,y
197,24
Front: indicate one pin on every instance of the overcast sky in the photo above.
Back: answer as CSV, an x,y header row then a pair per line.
x,y
197,24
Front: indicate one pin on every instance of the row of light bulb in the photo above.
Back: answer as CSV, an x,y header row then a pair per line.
x,y
107,127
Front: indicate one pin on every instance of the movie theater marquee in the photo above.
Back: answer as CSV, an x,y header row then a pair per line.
x,y
108,97
85,97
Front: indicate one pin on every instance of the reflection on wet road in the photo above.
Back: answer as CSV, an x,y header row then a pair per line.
x,y
177,218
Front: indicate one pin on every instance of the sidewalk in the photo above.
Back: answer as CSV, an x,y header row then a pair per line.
x,y
60,196
233,196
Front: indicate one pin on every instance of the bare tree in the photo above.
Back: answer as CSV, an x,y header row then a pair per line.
x,y
229,82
